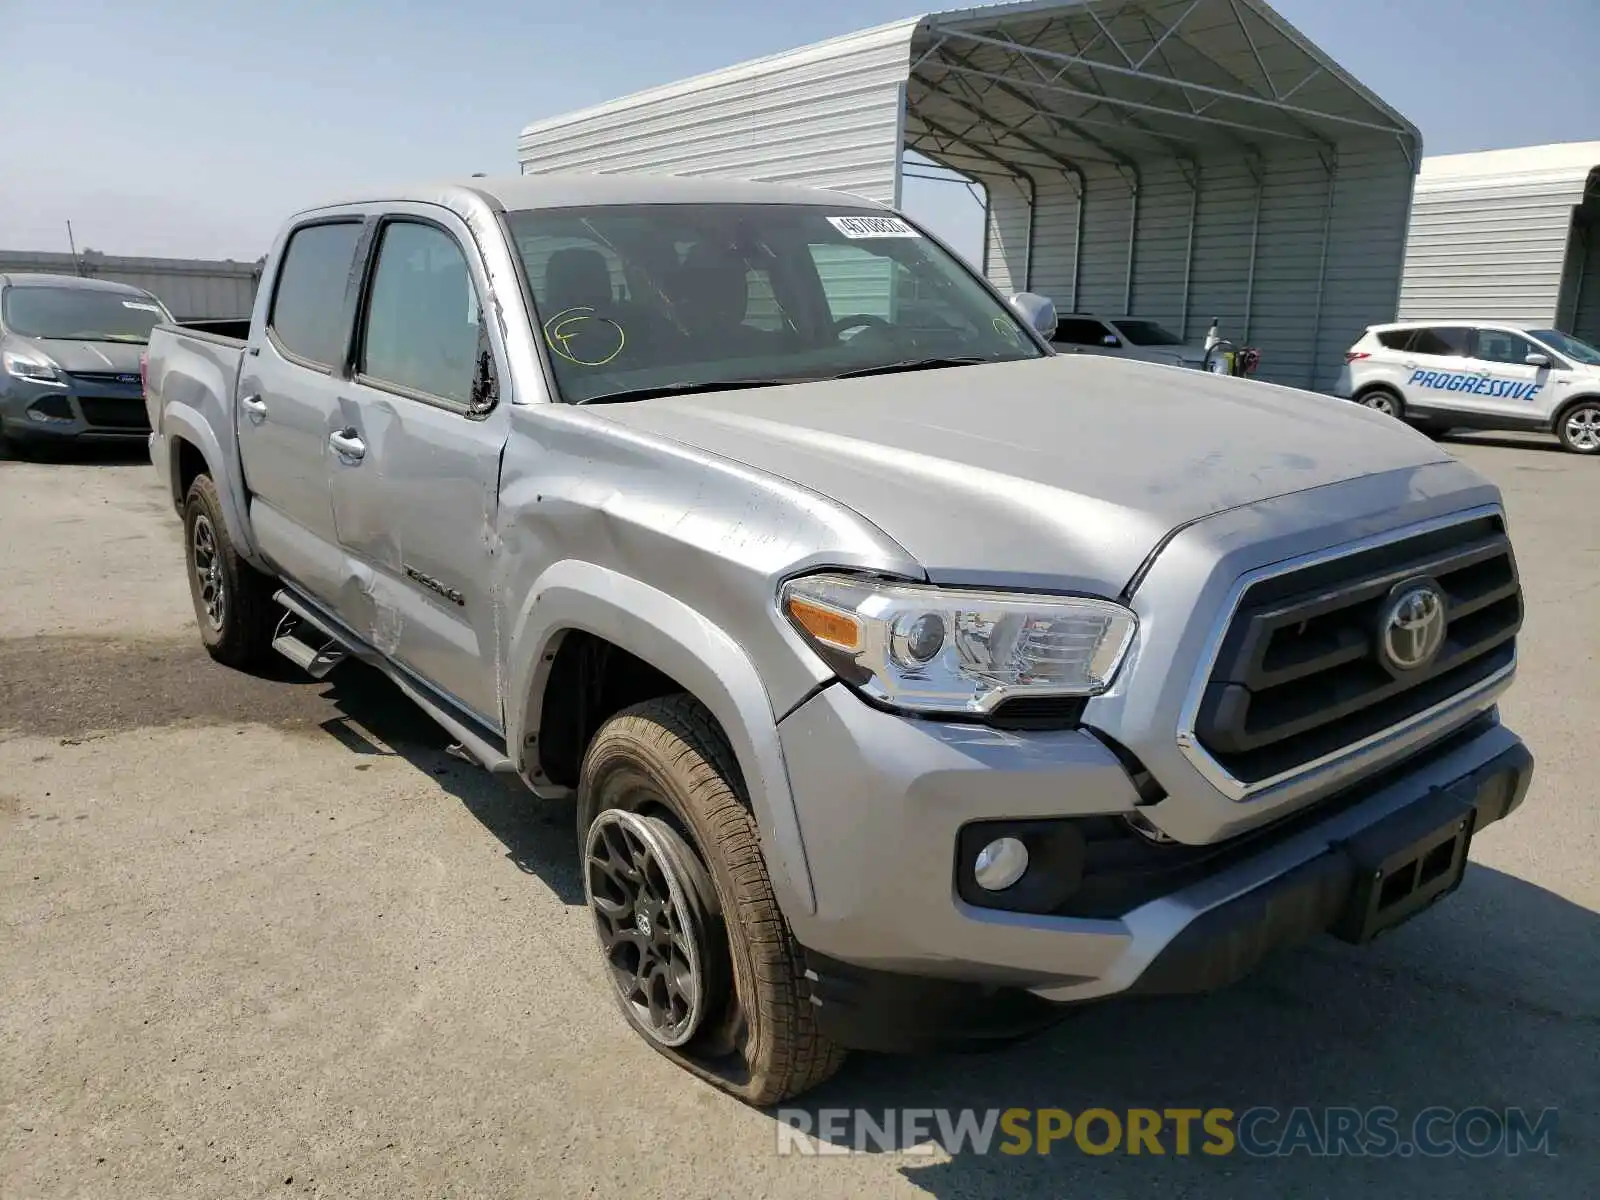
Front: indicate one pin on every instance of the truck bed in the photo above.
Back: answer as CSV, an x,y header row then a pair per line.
x,y
191,382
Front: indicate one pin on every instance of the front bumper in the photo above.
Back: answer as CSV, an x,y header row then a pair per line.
x,y
882,800
79,412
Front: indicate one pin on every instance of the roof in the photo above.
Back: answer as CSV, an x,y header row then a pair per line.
x,y
1559,167
515,192
573,190
38,279
1068,81
1455,323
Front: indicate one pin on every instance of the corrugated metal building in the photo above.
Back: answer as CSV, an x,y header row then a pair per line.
x,y
1508,235
192,288
1181,160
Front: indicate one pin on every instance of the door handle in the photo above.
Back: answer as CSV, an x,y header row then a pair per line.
x,y
254,405
347,445
1410,364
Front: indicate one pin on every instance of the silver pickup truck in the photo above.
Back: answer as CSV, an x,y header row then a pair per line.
x,y
912,683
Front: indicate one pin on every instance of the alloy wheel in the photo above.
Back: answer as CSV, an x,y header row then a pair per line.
x,y
647,922
1582,426
207,567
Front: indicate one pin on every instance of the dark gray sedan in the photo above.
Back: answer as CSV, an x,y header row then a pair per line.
x,y
69,359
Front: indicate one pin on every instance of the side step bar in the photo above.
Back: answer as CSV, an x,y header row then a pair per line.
x,y
314,662
469,745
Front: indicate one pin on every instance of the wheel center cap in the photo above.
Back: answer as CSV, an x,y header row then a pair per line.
x,y
641,924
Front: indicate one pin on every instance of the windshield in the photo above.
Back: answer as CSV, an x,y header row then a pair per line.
x,y
1148,333
1570,346
88,314
673,297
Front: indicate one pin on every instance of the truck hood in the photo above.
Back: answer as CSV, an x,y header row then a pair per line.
x,y
1060,473
73,355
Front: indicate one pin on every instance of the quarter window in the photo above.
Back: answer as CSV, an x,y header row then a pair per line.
x,y
308,311
1396,339
423,320
1446,341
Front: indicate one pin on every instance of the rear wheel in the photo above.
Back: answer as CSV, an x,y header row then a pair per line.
x,y
232,600
1383,400
1578,427
699,953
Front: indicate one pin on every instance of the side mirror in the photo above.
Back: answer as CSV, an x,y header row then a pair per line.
x,y
1038,311
1537,360
1111,339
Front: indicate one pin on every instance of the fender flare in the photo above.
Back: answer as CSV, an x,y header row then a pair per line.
x,y
677,640
185,423
1568,404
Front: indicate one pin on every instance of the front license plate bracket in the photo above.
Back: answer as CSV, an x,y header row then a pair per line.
x,y
1405,863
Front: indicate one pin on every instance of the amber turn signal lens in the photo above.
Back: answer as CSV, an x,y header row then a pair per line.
x,y
826,625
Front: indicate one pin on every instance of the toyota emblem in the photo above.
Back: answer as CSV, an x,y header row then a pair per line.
x,y
1411,626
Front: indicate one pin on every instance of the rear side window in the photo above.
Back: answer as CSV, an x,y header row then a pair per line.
x,y
1075,331
1448,341
423,317
308,312
1396,339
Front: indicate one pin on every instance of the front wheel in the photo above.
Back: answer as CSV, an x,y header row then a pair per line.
x,y
232,600
700,956
1579,427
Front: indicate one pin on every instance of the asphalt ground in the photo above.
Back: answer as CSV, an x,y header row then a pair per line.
x,y
262,936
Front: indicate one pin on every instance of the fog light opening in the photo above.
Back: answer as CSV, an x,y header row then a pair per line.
x,y
51,410
1000,864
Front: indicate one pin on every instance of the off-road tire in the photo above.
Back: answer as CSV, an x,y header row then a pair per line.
x,y
668,756
249,616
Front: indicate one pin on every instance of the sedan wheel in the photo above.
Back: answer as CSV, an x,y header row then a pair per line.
x,y
1383,402
1580,429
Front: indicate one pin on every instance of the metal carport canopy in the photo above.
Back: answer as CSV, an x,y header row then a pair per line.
x,y
1182,160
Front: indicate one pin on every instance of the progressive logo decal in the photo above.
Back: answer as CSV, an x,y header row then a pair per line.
x,y
1476,385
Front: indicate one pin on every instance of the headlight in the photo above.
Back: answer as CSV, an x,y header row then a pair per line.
x,y
20,366
948,650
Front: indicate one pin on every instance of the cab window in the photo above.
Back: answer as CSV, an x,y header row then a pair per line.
x,y
308,314
1446,341
1497,346
423,321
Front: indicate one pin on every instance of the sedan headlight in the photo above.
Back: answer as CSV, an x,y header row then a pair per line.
x,y
20,366
947,650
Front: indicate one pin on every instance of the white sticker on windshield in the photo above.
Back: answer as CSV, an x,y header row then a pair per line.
x,y
873,227
155,308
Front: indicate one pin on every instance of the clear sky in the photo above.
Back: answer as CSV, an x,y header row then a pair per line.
x,y
188,128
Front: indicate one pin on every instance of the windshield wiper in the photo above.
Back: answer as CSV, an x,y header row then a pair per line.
x,y
909,364
684,389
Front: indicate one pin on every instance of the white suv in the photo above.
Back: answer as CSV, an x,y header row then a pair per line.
x,y
1440,375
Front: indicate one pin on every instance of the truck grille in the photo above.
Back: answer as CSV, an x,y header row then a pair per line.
x,y
1300,674
114,413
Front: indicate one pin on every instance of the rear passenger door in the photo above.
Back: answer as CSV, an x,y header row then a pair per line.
x,y
288,401
1437,369
415,459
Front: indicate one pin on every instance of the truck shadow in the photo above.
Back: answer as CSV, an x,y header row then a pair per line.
x,y
1492,999
374,718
